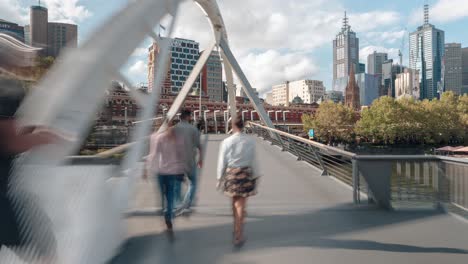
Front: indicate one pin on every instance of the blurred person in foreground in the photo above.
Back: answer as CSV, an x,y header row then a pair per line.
x,y
15,71
166,162
192,143
237,174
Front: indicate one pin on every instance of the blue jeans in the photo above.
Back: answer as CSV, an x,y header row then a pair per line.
x,y
166,187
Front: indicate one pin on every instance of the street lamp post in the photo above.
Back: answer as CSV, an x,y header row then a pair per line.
x,y
195,120
284,119
271,111
206,122
226,118
276,115
243,112
216,120
251,115
125,116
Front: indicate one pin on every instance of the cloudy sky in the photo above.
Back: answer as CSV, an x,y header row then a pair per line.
x,y
274,40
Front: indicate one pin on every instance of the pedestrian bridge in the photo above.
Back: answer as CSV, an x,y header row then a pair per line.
x,y
299,216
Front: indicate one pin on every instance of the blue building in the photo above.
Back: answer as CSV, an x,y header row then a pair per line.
x,y
12,29
368,88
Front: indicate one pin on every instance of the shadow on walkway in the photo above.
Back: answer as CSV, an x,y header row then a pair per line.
x,y
314,229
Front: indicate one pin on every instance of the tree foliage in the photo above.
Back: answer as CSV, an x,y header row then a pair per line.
x,y
408,121
390,121
332,122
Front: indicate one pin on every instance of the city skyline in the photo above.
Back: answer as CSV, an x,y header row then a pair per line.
x,y
303,51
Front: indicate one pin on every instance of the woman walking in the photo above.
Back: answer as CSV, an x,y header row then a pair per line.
x,y
237,174
166,162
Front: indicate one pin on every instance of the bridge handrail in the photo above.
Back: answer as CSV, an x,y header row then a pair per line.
x,y
306,141
388,180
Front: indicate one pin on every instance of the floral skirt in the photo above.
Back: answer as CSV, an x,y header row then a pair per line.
x,y
239,182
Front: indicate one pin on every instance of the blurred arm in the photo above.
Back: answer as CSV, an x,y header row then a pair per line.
x,y
222,162
15,143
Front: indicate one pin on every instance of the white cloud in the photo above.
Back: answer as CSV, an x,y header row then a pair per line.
x,y
363,22
138,71
275,40
271,67
366,51
12,11
449,10
66,11
140,52
273,24
443,11
388,37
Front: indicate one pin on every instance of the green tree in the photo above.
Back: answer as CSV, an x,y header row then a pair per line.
x,y
463,112
332,123
381,122
444,122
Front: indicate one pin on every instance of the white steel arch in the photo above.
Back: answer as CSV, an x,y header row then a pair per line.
x,y
67,100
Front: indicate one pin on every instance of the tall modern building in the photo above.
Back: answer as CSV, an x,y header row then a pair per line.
x,y
281,94
269,98
310,91
12,29
453,68
389,74
335,96
427,48
407,84
375,61
345,55
50,36
38,28
465,70
212,77
61,35
362,68
184,55
368,88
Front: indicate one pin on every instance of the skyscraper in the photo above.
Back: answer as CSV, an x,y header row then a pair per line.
x,y
375,61
427,48
453,68
368,87
38,28
61,35
51,37
407,84
345,55
184,55
362,68
465,70
212,77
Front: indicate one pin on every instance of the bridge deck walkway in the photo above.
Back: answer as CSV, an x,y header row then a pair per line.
x,y
297,217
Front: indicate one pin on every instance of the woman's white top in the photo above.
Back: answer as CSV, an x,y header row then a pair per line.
x,y
237,151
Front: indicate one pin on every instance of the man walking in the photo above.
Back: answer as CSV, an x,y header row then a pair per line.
x,y
192,142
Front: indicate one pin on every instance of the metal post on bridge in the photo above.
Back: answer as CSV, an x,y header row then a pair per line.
x,y
251,115
216,120
206,121
195,119
243,116
356,184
